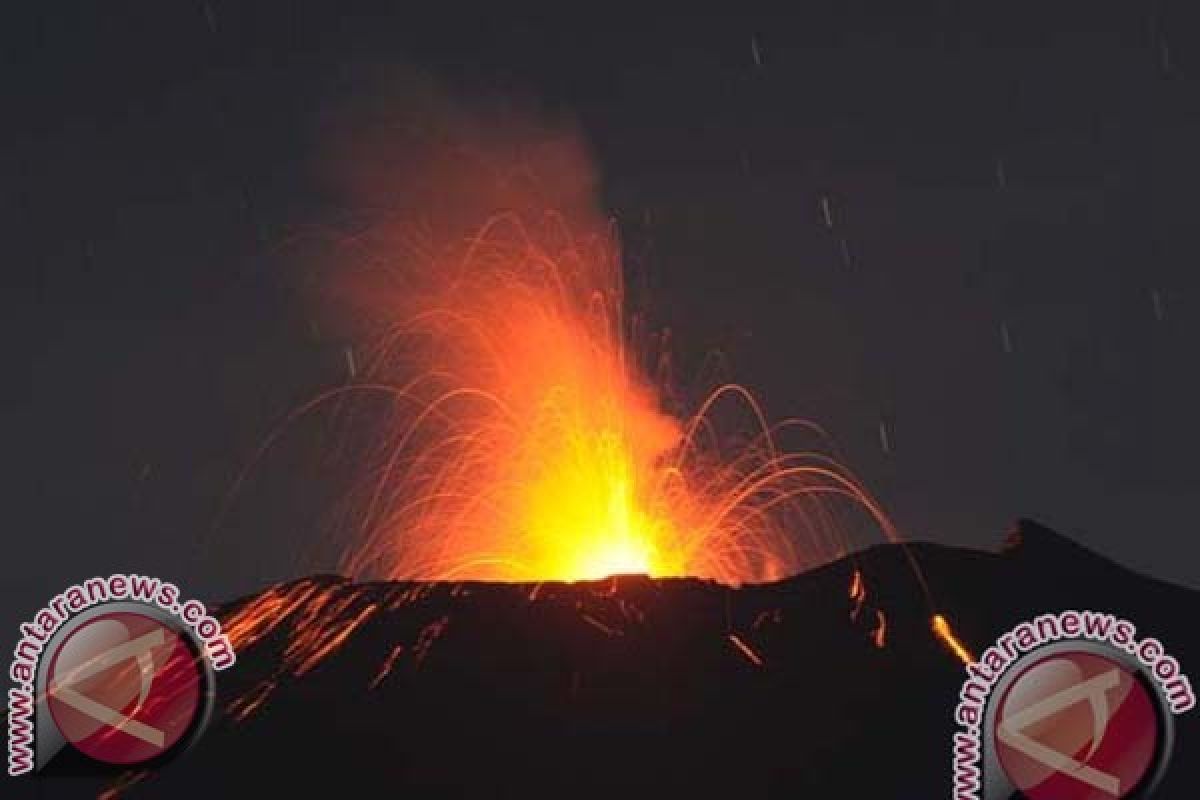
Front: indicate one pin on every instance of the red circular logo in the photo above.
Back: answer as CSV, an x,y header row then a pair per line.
x,y
124,687
1077,726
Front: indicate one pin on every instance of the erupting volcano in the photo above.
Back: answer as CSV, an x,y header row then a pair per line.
x,y
530,428
530,446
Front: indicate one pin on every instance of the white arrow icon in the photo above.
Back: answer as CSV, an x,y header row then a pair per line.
x,y
139,649
1012,727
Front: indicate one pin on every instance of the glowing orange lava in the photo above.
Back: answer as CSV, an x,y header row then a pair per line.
x,y
518,425
941,629
527,444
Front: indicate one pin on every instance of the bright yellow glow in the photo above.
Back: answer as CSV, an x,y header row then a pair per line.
x,y
941,628
530,446
582,519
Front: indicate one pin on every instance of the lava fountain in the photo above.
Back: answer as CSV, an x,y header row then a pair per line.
x,y
525,441
517,418
510,423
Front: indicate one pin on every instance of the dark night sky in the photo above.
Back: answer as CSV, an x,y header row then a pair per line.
x,y
1022,172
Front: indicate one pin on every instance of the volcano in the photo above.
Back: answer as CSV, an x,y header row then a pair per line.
x,y
827,684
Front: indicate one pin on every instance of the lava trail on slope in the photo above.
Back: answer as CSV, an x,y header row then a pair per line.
x,y
830,683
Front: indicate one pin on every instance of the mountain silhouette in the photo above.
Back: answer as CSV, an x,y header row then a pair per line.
x,y
824,685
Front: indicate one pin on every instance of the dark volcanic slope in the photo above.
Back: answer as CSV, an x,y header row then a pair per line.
x,y
638,688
